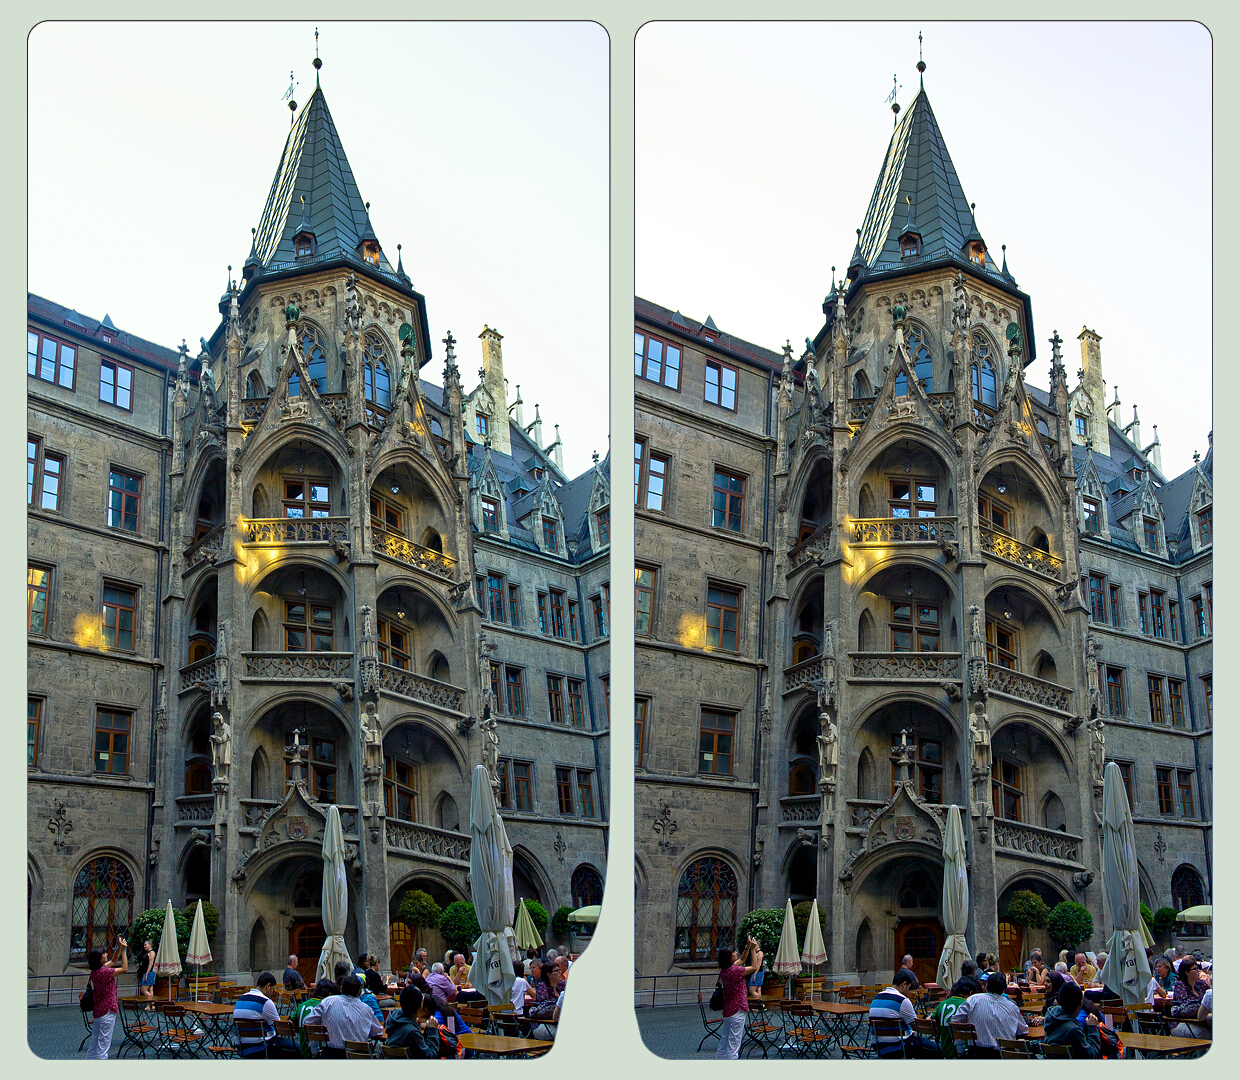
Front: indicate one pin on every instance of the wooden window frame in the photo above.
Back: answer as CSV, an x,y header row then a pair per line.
x,y
649,482
107,737
308,506
389,652
37,474
574,622
480,592
59,366
1173,618
576,709
642,366
490,514
720,605
514,604
1208,590
1165,789
555,604
1115,608
523,786
1082,425
1154,685
916,507
118,369
1205,525
1143,620
994,514
130,501
482,424
602,522
1158,622
1207,689
600,619
1125,773
501,774
308,626
706,891
641,708
319,769
728,504
514,690
920,633
1199,617
711,730
1090,514
118,627
1002,789
585,792
720,370
1149,533
35,589
118,902
1097,594
550,534
543,620
394,788
34,725
644,579
1112,687
606,681
495,598
555,698
382,512
564,791
1185,803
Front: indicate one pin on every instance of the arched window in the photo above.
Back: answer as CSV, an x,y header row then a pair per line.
x,y
254,387
801,779
314,356
307,889
984,381
197,778
923,366
102,906
861,386
919,890
1186,892
586,886
705,910
378,380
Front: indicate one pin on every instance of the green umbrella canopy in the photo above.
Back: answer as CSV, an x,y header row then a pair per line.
x,y
587,914
526,932
1202,913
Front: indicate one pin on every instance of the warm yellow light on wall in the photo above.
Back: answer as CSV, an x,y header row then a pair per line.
x,y
87,631
692,631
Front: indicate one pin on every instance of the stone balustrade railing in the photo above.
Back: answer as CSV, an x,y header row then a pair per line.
x,y
198,674
255,810
314,530
337,408
806,673
905,665
945,406
862,811
934,530
206,548
395,546
1034,840
426,840
298,665
800,808
420,688
252,409
1027,688
860,408
195,808
1013,551
813,545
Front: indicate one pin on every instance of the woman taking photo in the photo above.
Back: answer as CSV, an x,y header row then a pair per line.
x,y
103,985
733,975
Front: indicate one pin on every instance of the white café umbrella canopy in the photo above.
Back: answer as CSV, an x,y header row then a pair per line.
x,y
955,900
1127,970
814,952
587,914
490,887
335,898
167,956
526,932
787,961
199,951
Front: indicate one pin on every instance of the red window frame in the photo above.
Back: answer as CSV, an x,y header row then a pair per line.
x,y
515,694
651,357
490,515
62,358
34,720
723,615
576,713
1155,685
716,734
728,501
495,597
1205,525
639,729
585,792
44,473
557,613
112,729
1166,794
523,798
1175,702
603,520
116,388
38,597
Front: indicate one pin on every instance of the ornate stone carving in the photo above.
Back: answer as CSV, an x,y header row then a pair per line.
x,y
978,686
323,530
1097,748
205,550
1083,879
420,688
327,666
1160,847
1032,840
397,547
1027,688
195,808
559,847
220,686
806,838
425,840
1092,649
490,747
221,748
936,530
905,665
664,827
197,676
1014,551
810,548
828,747
372,738
979,735
800,807
60,825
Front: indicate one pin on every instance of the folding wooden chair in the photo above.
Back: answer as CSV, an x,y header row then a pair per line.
x,y
806,1036
138,1033
249,1030
1013,1048
177,1033
712,1024
858,1045
285,1029
356,1048
927,1027
967,1034
888,1034
1017,1055
316,1037
1054,1051
760,1032
89,1020
394,1051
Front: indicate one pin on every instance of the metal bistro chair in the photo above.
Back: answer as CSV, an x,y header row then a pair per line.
x,y
890,1032
178,1032
967,1034
316,1037
761,1033
1054,1050
1013,1048
356,1048
1152,1025
806,1035
711,1024
252,1030
138,1033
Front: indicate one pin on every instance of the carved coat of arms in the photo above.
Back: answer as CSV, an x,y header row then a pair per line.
x,y
298,828
905,828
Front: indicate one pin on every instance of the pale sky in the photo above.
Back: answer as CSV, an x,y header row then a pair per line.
x,y
482,149
1087,148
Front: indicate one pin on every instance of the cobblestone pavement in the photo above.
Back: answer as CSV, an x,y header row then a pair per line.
x,y
674,1032
54,1032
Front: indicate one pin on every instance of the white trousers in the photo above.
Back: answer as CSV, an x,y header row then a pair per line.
x,y
729,1036
101,1037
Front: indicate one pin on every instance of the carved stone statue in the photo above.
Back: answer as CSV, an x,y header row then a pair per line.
x,y
979,732
372,738
1097,748
221,746
828,747
1092,650
485,648
490,746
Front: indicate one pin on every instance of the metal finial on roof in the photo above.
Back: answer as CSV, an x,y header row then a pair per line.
x,y
909,225
305,219
595,457
1004,271
317,62
1196,457
921,64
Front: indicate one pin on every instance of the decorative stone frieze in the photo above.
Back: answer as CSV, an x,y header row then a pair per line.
x,y
1013,551
323,530
420,688
323,665
933,530
415,839
1033,840
1038,691
905,665
398,547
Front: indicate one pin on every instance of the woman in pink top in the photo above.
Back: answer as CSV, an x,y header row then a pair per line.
x,y
734,975
103,982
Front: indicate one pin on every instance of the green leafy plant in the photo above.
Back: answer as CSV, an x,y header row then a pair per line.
x,y
210,918
1148,916
559,921
765,924
1164,920
538,916
418,910
459,925
1070,924
1027,908
800,917
150,926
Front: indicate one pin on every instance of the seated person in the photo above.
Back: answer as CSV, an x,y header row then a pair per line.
x,y
412,1025
324,988
345,1016
993,1015
1190,990
258,1004
1059,979
968,973
562,964
1063,1028
441,986
894,1004
544,978
459,976
343,969
1038,974
521,993
546,1029
1162,983
1083,971
374,981
945,1011
292,977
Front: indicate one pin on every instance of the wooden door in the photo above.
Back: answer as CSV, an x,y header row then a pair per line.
x,y
1010,947
923,940
400,944
305,940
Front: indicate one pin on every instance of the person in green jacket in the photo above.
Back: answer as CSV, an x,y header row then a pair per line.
x,y
323,988
412,1025
945,1010
1064,1029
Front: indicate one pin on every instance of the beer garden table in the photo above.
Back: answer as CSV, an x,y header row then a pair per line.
x,y
215,1018
1155,1045
501,1045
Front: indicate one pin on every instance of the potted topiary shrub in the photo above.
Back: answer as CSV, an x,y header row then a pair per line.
x,y
459,925
1070,924
418,911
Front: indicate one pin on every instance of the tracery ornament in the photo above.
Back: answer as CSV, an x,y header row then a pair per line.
x,y
60,825
103,895
421,688
1032,840
706,914
425,840
665,827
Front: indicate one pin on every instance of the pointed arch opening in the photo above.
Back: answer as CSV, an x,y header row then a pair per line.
x,y
866,784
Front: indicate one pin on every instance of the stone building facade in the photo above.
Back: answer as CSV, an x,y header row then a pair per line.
x,y
262,581
866,589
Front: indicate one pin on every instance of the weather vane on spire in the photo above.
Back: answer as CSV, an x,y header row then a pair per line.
x,y
292,85
317,62
895,89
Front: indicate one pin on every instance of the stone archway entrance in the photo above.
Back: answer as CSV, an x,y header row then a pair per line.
x,y
923,940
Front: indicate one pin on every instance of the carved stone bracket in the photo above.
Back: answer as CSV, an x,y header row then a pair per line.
x,y
1083,879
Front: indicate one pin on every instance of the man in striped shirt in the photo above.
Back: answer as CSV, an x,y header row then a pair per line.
x,y
993,1015
256,1004
894,1004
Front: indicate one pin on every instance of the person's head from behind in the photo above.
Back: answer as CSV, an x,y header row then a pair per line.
x,y
342,968
968,969
94,959
437,968
266,983
1179,951
351,985
324,988
906,961
1070,998
962,987
996,984
725,959
1102,959
410,1001
1198,955
1062,967
905,981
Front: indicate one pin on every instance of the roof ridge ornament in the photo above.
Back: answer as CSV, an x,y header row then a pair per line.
x,y
317,62
921,64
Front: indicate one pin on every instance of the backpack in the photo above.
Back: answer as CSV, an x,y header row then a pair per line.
x,y
87,1000
1109,1043
716,999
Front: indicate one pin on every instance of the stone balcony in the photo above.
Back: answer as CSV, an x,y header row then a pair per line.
x,y
800,809
425,841
888,531
285,530
195,809
903,666
1044,845
1002,546
420,688
198,675
1027,688
806,673
298,666
403,550
805,552
204,549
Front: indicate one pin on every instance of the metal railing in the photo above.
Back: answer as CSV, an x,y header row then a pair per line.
x,y
43,991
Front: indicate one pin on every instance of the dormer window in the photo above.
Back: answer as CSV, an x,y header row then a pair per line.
x,y
536,473
549,535
910,244
370,251
1151,533
1205,525
481,425
977,252
303,245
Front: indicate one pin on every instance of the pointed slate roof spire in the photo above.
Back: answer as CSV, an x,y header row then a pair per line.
x,y
313,164
918,168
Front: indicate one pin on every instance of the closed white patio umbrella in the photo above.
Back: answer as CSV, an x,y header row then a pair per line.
x,y
786,961
490,887
526,931
335,898
1127,970
199,950
814,952
955,900
167,956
